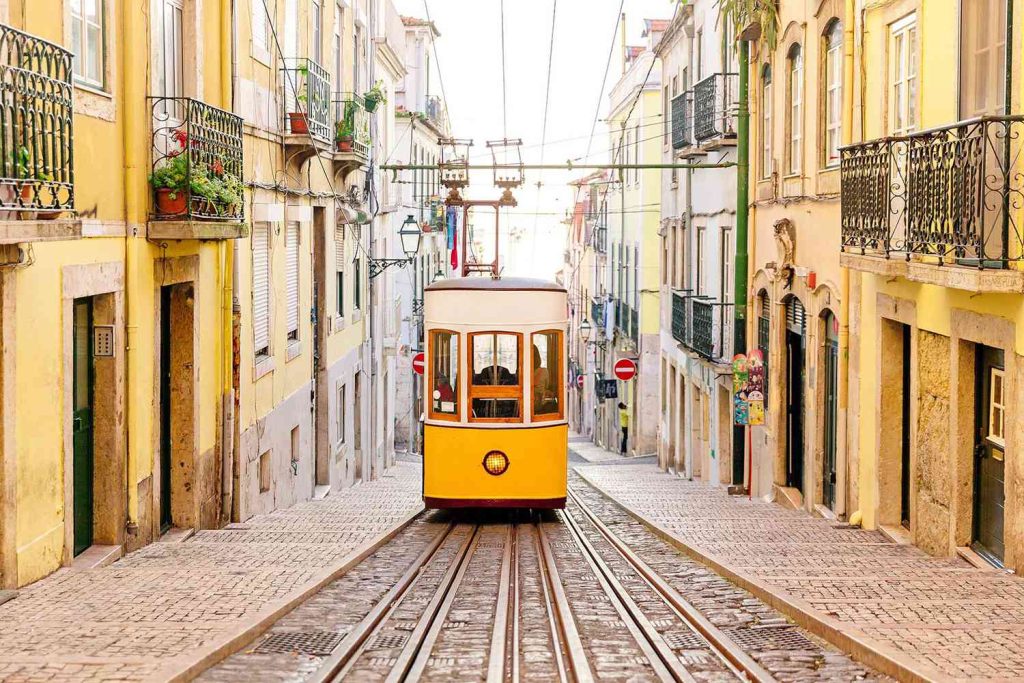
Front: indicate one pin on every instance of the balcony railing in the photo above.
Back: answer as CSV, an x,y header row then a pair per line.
x,y
197,161
682,120
352,124
36,125
601,240
949,195
597,312
702,325
715,106
435,111
634,324
307,99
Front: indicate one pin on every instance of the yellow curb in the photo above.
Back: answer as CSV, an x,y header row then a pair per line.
x,y
886,659
187,668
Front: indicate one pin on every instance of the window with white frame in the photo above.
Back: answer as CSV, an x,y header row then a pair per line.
x,y
261,289
795,120
982,57
699,284
903,75
997,408
87,41
260,28
833,101
169,49
339,27
341,414
727,271
767,163
291,274
316,35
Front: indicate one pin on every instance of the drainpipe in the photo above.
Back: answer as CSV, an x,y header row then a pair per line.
x,y
739,433
842,437
236,319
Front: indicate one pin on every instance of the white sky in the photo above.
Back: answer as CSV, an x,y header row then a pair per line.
x,y
469,55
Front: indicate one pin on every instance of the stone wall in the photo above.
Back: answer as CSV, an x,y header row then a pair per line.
x,y
932,472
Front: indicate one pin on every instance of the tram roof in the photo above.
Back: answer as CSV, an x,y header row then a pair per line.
x,y
507,284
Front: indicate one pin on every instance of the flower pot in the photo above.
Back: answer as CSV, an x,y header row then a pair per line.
x,y
751,32
345,144
26,197
171,202
298,123
370,104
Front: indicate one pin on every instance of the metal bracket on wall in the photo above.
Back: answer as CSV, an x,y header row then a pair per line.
x,y
379,265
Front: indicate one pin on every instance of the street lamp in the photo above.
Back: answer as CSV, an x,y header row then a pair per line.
x,y
585,330
439,275
411,236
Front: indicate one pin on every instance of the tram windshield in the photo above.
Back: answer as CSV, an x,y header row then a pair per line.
x,y
496,364
445,373
546,373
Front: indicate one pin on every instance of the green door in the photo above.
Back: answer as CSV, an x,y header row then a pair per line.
x,y
82,464
990,454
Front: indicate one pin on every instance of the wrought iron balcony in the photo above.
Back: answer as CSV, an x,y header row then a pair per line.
x,y
601,239
197,161
715,106
682,120
597,312
36,127
307,99
702,325
681,317
634,324
352,125
945,196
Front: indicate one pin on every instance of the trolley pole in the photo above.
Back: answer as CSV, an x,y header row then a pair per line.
x,y
739,308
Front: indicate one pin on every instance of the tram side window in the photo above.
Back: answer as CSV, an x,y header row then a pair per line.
x,y
496,387
547,373
444,349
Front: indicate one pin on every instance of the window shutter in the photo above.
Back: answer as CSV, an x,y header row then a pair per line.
x,y
261,287
795,315
339,248
291,272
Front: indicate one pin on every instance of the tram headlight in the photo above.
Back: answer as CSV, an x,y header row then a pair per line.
x,y
495,462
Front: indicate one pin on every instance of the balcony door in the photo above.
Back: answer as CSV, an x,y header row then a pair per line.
x,y
82,426
168,74
795,332
982,58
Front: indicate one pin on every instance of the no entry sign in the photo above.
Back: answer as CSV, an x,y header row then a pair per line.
x,y
417,363
579,381
625,369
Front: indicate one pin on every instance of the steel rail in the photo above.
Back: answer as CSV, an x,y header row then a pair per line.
x,y
570,636
342,661
353,642
412,660
557,638
722,644
663,660
499,633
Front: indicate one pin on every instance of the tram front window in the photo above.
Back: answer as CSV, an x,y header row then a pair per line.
x,y
546,373
496,387
444,372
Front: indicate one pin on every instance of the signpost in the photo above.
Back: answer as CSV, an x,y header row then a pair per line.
x,y
418,362
625,369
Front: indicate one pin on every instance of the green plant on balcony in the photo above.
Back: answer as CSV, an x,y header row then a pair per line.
x,y
375,96
344,129
298,122
753,20
175,181
169,181
33,185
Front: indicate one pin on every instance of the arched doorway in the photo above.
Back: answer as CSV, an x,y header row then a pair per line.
x,y
796,333
831,405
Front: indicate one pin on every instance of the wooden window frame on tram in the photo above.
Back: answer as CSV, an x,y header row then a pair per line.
x,y
491,390
431,357
560,415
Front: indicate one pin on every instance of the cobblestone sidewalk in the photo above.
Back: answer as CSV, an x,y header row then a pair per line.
x,y
941,619
166,608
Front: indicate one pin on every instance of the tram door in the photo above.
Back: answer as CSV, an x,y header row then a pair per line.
x,y
989,452
795,328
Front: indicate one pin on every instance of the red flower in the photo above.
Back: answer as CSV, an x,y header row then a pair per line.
x,y
217,167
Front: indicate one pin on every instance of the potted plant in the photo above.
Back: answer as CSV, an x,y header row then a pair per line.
x,y
169,182
229,195
374,96
343,129
24,169
298,123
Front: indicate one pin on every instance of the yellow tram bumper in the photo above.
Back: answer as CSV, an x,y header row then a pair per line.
x,y
454,474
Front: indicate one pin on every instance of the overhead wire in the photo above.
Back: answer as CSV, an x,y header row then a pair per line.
x,y
544,125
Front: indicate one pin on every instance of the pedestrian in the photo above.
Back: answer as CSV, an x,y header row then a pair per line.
x,y
624,423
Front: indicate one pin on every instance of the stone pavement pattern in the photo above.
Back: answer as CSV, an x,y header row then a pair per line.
x,y
943,616
148,614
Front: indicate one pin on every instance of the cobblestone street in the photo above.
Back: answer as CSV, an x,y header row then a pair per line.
x,y
935,618
166,608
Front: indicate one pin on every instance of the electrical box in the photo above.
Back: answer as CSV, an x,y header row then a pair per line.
x,y
103,341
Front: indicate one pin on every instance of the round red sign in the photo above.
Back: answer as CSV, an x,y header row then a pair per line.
x,y
417,363
579,381
625,369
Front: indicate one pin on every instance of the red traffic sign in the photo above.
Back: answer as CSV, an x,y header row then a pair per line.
x,y
418,362
579,381
625,369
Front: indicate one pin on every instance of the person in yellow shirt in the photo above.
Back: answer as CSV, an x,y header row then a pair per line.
x,y
624,423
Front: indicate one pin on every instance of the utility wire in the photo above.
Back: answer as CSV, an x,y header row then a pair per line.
x,y
504,90
437,61
607,66
544,125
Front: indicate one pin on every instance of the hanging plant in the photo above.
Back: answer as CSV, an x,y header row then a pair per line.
x,y
756,21
375,96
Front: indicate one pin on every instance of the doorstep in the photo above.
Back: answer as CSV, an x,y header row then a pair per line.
x,y
7,596
96,556
176,535
899,535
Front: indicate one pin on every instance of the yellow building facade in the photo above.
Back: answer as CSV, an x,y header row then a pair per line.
x,y
931,237
103,302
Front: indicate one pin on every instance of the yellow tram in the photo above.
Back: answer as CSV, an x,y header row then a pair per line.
x,y
495,433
